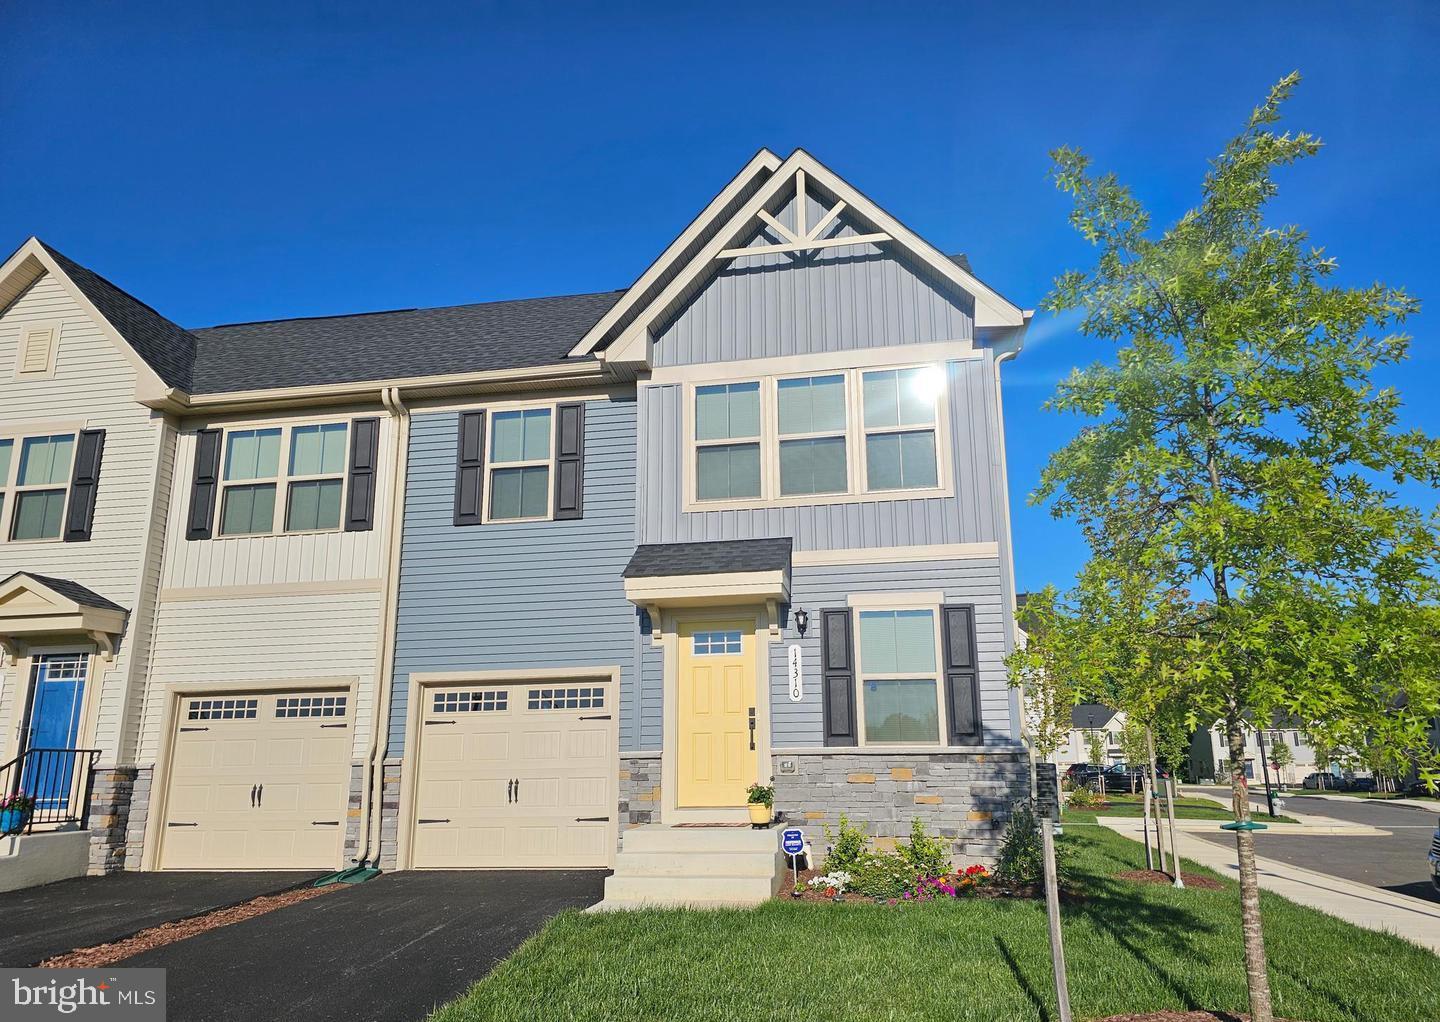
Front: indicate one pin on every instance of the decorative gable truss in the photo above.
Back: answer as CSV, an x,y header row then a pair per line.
x,y
764,226
38,608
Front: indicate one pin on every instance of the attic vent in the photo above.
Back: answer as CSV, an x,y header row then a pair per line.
x,y
37,352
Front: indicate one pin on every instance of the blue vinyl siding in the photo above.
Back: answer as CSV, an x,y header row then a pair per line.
x,y
524,595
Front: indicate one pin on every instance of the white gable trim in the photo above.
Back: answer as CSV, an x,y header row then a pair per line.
x,y
28,264
763,162
30,609
991,309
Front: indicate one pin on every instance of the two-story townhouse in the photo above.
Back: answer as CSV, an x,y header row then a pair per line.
x,y
486,585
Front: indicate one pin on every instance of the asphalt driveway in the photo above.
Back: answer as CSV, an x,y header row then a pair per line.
x,y
40,922
386,951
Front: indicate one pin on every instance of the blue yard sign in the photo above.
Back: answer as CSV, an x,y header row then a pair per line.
x,y
792,840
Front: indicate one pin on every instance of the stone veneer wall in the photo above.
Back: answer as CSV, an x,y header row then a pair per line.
x,y
965,797
111,793
639,791
390,815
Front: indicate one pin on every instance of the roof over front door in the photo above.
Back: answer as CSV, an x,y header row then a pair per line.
x,y
39,607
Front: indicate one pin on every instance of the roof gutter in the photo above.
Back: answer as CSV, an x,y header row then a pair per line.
x,y
576,373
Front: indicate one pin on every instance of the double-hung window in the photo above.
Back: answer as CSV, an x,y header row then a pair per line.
x,y
900,428
34,481
839,435
899,677
811,412
311,474
521,449
727,441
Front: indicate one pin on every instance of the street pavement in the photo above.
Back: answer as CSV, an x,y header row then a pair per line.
x,y
1392,863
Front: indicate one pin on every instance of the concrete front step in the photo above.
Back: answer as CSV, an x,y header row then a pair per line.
x,y
697,866
692,890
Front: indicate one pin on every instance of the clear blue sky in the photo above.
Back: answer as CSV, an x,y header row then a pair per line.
x,y
263,160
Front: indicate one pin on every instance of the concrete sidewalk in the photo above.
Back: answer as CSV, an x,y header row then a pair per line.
x,y
1196,791
1375,909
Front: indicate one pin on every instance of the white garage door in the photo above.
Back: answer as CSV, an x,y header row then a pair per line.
x,y
517,775
258,781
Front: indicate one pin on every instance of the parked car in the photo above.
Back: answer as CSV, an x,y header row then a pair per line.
x,y
1081,774
1435,860
1124,777
1321,782
1358,784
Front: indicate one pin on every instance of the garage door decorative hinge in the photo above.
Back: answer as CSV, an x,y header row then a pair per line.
x,y
324,823
432,821
182,824
604,716
429,722
592,819
184,729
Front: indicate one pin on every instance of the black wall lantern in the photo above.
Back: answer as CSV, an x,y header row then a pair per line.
x,y
802,621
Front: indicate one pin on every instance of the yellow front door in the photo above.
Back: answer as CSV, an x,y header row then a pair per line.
x,y
716,698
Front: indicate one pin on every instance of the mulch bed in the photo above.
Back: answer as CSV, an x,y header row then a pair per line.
x,y
1155,876
993,889
179,929
1182,1016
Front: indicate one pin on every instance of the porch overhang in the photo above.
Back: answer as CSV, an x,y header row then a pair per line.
x,y
36,608
715,574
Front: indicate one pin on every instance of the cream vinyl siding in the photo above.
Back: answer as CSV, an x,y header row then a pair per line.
x,y
331,556
239,641
92,386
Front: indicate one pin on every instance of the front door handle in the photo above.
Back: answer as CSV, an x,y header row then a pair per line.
x,y
752,729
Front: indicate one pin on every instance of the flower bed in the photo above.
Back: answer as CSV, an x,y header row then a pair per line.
x,y
975,881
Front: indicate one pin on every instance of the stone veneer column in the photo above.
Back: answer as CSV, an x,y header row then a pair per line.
x,y
639,791
111,793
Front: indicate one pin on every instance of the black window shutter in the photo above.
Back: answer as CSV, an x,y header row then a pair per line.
x,y
84,481
364,453
470,469
837,651
204,483
962,675
570,462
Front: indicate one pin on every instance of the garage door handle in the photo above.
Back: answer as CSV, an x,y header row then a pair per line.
x,y
432,821
260,795
182,824
510,792
604,716
592,819
252,796
324,823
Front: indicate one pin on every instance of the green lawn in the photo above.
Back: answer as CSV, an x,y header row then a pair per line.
x,y
1185,809
1132,948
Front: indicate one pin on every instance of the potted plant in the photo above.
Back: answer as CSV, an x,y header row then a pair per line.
x,y
15,812
761,801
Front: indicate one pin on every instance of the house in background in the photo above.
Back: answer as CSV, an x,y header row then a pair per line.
x,y
499,585
1088,720
1209,749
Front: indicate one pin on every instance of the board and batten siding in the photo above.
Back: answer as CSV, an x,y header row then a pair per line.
x,y
93,386
829,299
975,582
523,595
334,556
262,640
972,515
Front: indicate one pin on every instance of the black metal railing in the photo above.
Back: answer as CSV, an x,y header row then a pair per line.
x,y
59,781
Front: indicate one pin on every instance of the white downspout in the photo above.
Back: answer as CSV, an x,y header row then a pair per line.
x,y
385,661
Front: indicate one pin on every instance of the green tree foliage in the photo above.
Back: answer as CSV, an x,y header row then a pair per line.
x,y
1237,475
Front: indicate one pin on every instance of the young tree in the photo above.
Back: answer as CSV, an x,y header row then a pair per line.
x,y
1239,449
1040,668
1280,758
1095,746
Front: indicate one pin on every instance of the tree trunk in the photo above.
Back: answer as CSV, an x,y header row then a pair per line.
x,y
1145,824
1154,800
1255,975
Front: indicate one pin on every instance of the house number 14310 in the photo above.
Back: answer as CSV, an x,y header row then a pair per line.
x,y
797,677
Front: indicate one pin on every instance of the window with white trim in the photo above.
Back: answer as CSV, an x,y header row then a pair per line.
x,y
311,475
223,709
567,698
900,452
899,677
522,449
716,643
811,413
727,441
35,474
844,434
310,706
484,701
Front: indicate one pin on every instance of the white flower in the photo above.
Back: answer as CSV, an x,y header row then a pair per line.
x,y
837,879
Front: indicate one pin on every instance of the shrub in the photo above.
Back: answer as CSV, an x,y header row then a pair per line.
x,y
1084,798
1022,856
927,856
847,848
883,876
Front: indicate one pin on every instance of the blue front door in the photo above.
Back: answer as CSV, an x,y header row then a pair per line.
x,y
56,702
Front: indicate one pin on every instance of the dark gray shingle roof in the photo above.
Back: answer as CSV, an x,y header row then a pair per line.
x,y
390,345
167,348
1090,716
655,560
70,590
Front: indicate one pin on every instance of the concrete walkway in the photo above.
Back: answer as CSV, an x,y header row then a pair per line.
x,y
1375,909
